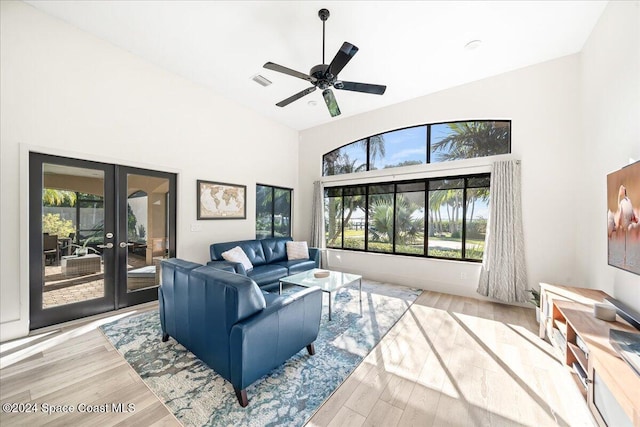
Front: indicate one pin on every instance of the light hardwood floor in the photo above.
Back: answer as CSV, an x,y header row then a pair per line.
x,y
449,361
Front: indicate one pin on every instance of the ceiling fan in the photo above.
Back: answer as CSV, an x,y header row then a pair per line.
x,y
324,76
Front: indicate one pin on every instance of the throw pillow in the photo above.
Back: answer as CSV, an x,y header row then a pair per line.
x,y
297,250
237,255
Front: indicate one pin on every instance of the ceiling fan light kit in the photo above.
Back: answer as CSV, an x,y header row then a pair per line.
x,y
331,102
325,76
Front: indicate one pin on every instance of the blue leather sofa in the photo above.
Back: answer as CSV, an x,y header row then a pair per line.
x,y
238,330
269,259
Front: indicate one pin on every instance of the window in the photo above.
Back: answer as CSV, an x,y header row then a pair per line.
x,y
409,218
445,207
432,143
333,213
435,218
348,159
380,214
404,147
273,211
465,140
353,200
476,216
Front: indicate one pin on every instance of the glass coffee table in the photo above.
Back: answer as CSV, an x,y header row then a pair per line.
x,y
330,284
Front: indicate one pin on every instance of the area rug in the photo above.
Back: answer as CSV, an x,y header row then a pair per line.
x,y
290,394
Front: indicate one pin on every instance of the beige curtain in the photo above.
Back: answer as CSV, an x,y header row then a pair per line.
x,y
503,275
317,216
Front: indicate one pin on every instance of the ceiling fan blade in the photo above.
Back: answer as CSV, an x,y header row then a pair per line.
x,y
297,96
331,102
341,59
360,87
289,71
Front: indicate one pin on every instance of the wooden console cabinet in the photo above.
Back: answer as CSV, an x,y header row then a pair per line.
x,y
609,385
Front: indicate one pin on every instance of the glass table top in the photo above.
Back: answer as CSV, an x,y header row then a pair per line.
x,y
334,281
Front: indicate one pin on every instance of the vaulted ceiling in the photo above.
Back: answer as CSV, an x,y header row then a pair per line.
x,y
413,47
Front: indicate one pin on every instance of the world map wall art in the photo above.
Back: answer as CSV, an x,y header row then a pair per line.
x,y
218,200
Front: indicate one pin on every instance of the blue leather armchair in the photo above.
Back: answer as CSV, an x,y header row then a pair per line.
x,y
269,259
238,330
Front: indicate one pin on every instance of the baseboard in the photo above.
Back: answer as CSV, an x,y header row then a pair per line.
x,y
13,329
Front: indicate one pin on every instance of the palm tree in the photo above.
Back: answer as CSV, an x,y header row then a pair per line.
x,y
376,148
337,162
436,200
337,208
474,139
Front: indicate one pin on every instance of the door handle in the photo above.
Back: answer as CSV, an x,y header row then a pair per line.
x,y
107,246
125,244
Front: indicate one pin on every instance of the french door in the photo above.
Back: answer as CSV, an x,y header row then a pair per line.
x,y
97,234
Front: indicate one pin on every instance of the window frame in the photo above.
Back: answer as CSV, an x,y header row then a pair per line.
x,y
273,189
466,178
428,142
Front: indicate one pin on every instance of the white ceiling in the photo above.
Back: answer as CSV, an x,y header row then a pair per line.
x,y
413,47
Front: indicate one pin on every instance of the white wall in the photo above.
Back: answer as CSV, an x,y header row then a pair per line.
x,y
610,80
67,92
543,102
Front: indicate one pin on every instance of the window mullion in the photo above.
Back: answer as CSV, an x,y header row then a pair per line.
x,y
428,142
463,232
393,232
366,219
273,212
342,220
427,221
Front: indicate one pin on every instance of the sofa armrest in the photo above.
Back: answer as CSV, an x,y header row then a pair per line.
x,y
267,339
314,254
234,267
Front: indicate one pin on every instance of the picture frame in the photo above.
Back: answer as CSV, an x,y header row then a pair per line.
x,y
221,200
623,218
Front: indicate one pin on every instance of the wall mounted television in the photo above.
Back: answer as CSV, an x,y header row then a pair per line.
x,y
623,218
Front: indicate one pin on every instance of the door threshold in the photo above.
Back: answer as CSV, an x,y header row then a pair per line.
x,y
71,324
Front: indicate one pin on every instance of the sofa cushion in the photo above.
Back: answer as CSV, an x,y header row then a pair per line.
x,y
275,249
268,273
237,255
298,265
297,250
251,248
